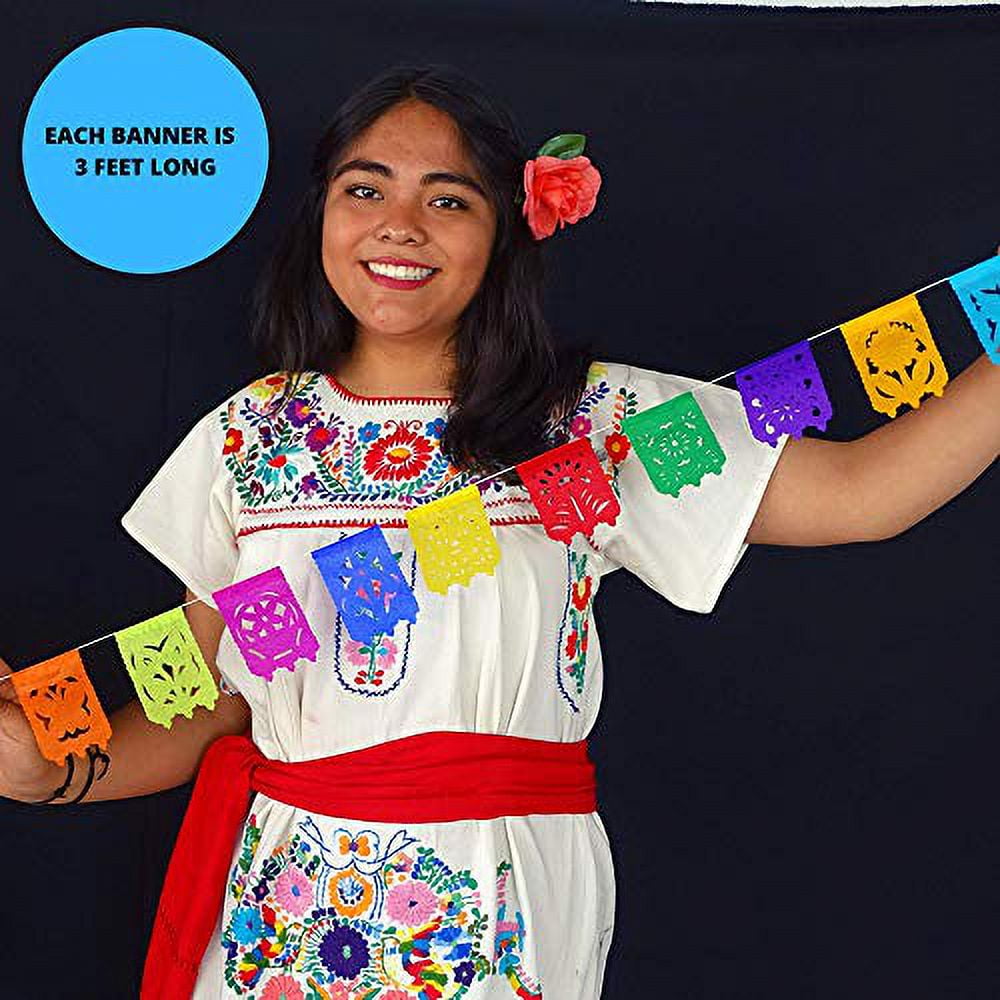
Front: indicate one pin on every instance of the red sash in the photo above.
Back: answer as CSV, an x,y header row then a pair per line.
x,y
431,777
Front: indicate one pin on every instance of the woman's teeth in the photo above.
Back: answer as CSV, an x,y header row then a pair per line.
x,y
398,272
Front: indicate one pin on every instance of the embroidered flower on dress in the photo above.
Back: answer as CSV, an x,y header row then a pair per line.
x,y
282,988
275,464
571,644
582,592
351,893
359,653
464,973
372,659
344,951
580,426
294,891
411,903
402,455
321,437
299,412
234,441
596,372
308,451
453,942
368,432
248,925
617,447
575,628
370,956
265,388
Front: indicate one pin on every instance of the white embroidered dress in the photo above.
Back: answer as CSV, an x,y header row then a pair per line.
x,y
320,907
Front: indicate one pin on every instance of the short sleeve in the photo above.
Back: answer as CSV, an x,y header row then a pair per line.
x,y
687,547
186,514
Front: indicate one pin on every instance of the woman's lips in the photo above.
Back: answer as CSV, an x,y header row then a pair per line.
x,y
397,283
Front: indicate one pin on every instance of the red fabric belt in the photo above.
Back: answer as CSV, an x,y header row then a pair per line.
x,y
431,777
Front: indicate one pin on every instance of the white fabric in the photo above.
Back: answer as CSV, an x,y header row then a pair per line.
x,y
490,657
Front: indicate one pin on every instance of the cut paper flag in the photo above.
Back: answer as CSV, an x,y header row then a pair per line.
x,y
164,660
978,289
784,394
453,539
61,704
675,443
895,355
366,584
267,622
570,489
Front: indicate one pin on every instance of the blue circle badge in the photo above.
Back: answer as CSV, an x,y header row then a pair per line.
x,y
145,150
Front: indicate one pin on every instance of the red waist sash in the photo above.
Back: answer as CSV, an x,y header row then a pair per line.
x,y
431,777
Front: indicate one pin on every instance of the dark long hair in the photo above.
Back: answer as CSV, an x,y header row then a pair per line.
x,y
513,385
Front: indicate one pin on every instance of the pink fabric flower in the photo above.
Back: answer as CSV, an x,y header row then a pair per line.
x,y
294,891
580,426
357,653
558,191
411,902
282,988
387,652
352,650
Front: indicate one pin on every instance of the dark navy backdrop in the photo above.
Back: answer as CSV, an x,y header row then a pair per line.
x,y
799,787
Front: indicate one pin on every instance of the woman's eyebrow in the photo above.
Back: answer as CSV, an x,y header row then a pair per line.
x,y
437,177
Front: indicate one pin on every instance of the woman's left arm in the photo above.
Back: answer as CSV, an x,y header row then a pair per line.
x,y
878,485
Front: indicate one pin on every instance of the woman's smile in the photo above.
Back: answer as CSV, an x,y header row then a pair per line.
x,y
398,273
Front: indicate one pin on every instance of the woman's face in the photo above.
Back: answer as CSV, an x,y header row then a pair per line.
x,y
407,195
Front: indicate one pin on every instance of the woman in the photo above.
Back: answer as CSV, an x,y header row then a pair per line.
x,y
401,325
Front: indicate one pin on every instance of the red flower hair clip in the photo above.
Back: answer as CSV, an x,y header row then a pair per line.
x,y
560,185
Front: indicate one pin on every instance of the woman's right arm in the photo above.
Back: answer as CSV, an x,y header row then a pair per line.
x,y
144,757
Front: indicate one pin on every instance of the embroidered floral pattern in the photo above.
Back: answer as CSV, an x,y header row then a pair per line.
x,y
304,451
571,655
377,922
612,446
374,667
401,454
508,943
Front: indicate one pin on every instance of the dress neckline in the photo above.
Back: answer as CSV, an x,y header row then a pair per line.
x,y
354,397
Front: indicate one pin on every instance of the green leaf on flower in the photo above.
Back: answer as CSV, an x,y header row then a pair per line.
x,y
565,145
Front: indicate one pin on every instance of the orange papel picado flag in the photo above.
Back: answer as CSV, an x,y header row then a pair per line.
x,y
61,704
895,355
453,539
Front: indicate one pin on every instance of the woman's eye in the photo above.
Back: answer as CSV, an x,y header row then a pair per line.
x,y
360,187
448,197
357,191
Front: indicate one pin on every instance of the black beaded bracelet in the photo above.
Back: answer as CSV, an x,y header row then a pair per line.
x,y
94,753
61,790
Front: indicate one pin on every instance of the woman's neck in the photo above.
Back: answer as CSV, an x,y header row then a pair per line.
x,y
394,369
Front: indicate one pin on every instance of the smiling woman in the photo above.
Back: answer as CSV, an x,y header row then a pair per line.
x,y
414,815
413,202
407,357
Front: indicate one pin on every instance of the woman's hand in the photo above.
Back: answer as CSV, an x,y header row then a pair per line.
x,y
25,774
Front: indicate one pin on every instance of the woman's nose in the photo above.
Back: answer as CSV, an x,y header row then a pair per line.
x,y
400,224
396,234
